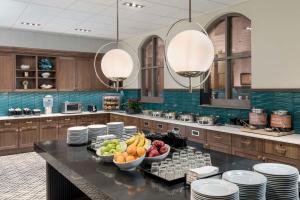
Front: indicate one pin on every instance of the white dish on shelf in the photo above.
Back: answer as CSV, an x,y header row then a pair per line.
x,y
25,67
45,75
44,86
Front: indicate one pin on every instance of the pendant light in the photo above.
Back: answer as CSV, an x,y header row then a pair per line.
x,y
117,64
190,53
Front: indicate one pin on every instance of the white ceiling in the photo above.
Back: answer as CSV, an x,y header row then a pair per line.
x,y
63,16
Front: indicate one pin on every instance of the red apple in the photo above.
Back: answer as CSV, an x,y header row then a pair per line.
x,y
158,143
154,153
164,149
151,148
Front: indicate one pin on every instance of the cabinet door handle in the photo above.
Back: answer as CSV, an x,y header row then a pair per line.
x,y
67,119
7,124
49,120
159,126
246,142
146,123
195,133
217,137
28,122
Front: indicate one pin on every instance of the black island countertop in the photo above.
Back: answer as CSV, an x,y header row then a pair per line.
x,y
97,180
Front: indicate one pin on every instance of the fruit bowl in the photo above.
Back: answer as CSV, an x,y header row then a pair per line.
x,y
158,158
130,166
110,157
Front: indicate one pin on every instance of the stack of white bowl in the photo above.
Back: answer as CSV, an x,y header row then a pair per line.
x,y
252,185
115,128
96,130
77,135
214,189
282,180
129,131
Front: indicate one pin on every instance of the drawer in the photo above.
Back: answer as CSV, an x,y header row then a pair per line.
x,y
67,120
160,127
254,155
9,124
132,121
181,128
196,134
218,137
275,159
282,149
219,147
49,121
146,124
247,143
29,122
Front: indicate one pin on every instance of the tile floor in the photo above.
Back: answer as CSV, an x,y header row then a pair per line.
x,y
22,177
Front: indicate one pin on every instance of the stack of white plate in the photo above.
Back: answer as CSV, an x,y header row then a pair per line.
x,y
252,185
96,130
202,172
77,135
115,128
213,189
129,131
282,180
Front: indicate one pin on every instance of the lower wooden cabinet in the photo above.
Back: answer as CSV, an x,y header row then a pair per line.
x,y
247,147
48,132
219,141
132,121
27,136
276,159
9,138
101,119
63,130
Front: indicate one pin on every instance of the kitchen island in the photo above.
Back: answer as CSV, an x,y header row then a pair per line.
x,y
75,173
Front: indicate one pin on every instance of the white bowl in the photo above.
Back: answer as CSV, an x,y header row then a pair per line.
x,y
45,75
24,67
130,166
158,158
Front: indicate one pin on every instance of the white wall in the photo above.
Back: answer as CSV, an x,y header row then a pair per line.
x,y
275,42
34,39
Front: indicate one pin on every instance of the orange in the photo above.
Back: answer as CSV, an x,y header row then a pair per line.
x,y
124,154
140,151
131,150
130,158
117,154
120,159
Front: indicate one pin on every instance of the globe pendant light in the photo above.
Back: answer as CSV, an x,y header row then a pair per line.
x,y
190,53
116,64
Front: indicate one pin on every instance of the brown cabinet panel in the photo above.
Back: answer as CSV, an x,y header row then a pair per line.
x,y
218,137
85,120
9,138
282,149
28,135
159,127
101,119
146,125
66,74
277,159
7,74
247,143
132,121
48,132
9,124
117,118
63,130
67,120
196,134
181,128
219,147
83,74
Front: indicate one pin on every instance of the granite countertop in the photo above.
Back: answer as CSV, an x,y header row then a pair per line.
x,y
291,139
98,180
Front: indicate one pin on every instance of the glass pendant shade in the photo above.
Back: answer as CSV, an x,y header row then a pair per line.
x,y
190,52
117,64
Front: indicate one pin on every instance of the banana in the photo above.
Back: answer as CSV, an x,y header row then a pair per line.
x,y
141,142
136,141
131,140
146,143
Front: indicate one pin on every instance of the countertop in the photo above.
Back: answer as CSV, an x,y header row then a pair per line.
x,y
105,181
291,139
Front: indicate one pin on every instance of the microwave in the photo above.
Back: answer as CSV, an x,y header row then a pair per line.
x,y
71,107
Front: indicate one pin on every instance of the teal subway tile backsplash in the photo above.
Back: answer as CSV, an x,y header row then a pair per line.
x,y
174,100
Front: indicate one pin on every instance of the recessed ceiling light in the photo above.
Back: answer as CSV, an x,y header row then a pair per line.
x,y
30,24
133,5
82,30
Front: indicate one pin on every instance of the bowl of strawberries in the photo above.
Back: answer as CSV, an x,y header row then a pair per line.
x,y
158,151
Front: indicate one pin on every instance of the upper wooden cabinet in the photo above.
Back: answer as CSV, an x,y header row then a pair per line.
x,y
7,68
66,74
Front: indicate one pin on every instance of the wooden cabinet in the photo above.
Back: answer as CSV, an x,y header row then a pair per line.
x,y
8,135
219,141
182,129
85,120
132,121
196,134
63,125
159,127
146,125
28,133
247,147
83,74
282,149
278,159
66,74
101,119
7,68
117,118
48,129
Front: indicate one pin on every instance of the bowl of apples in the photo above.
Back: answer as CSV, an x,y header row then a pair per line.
x,y
158,151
